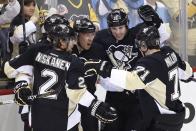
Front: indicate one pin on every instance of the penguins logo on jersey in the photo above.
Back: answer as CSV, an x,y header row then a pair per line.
x,y
121,56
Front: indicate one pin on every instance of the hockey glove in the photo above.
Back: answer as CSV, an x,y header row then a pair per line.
x,y
98,67
103,112
22,92
149,16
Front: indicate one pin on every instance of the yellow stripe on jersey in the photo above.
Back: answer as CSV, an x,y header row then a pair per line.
x,y
189,70
75,94
131,81
72,107
157,89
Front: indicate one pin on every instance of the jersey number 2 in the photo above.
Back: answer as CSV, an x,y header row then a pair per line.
x,y
53,79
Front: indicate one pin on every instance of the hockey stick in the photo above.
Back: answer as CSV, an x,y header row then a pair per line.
x,y
32,97
189,80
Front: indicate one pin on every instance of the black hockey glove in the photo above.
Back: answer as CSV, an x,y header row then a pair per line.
x,y
22,92
98,67
103,112
149,16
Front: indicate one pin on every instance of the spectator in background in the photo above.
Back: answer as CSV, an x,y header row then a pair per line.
x,y
9,9
24,23
131,7
102,8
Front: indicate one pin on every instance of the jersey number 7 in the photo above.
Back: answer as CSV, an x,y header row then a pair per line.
x,y
173,76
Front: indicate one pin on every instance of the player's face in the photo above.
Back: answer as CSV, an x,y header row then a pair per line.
x,y
29,9
143,48
119,32
67,44
86,39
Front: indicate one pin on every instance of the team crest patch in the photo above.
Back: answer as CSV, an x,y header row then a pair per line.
x,y
121,56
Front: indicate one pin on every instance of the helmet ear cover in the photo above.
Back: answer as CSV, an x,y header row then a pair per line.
x,y
117,17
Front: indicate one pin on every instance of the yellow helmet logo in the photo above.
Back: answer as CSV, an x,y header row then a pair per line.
x,y
42,16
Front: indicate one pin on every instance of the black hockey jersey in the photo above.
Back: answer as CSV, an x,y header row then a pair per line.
x,y
49,69
123,54
95,52
158,75
52,70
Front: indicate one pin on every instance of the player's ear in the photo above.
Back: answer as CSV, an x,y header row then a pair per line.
x,y
143,46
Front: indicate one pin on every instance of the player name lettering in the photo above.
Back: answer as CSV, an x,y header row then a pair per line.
x,y
171,59
52,61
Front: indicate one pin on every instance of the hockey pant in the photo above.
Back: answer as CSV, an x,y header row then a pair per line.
x,y
169,122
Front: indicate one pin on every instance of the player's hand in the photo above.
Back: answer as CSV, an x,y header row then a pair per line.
x,y
103,112
97,67
149,16
22,92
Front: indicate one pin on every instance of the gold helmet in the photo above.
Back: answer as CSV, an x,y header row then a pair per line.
x,y
42,16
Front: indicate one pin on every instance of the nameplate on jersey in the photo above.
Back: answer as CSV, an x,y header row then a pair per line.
x,y
52,61
171,59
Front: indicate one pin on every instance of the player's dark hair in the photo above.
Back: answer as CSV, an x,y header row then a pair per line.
x,y
148,36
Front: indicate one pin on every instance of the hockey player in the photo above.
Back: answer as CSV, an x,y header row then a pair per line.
x,y
119,44
54,68
86,49
156,76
